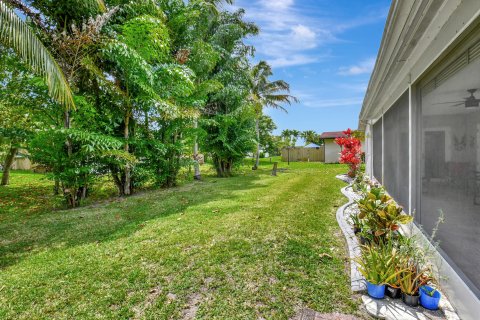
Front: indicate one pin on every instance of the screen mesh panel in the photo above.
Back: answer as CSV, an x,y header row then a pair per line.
x,y
449,167
377,150
396,153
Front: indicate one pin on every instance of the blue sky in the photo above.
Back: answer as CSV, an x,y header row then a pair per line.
x,y
325,49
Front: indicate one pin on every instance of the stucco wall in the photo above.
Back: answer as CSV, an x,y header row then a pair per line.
x,y
332,151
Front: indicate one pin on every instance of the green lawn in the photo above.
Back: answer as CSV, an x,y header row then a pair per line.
x,y
241,248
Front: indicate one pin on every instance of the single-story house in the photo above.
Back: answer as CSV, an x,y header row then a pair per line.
x,y
332,150
421,114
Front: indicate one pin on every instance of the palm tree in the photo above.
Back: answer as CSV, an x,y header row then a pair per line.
x,y
287,137
309,136
295,135
265,93
16,34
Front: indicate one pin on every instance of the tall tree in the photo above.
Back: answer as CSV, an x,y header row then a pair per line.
x,y
228,118
266,93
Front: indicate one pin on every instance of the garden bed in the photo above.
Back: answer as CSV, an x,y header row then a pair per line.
x,y
386,308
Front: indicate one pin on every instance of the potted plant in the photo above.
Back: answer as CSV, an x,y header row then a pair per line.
x,y
393,289
378,265
411,279
429,297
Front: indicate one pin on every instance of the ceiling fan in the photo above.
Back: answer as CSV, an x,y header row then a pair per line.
x,y
469,102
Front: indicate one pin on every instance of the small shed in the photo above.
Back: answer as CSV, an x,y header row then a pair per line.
x,y
332,150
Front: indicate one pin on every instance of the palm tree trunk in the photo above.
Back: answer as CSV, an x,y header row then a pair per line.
x,y
198,174
257,156
7,165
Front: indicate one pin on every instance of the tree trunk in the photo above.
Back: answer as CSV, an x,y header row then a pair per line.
x,y
69,191
218,166
116,179
198,174
228,168
56,188
127,172
257,156
7,165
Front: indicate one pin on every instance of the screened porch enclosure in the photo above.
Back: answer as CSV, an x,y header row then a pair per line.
x,y
445,162
450,165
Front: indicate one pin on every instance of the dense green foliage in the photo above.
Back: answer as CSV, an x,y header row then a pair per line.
x,y
149,80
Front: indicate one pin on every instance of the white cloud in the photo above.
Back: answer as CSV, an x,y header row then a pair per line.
x,y
364,67
295,60
303,36
291,32
277,4
286,36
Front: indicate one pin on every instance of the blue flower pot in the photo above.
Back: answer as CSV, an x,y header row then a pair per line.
x,y
376,291
427,301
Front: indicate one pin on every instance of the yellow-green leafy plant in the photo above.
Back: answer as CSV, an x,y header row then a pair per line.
x,y
373,201
389,219
379,263
382,216
412,277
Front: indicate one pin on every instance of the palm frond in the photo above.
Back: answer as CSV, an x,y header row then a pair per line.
x,y
269,93
101,6
16,34
278,85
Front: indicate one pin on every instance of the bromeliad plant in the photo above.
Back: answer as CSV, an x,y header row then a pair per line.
x,y
412,277
378,263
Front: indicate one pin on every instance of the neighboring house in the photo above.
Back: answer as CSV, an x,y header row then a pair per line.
x,y
332,150
421,115
312,146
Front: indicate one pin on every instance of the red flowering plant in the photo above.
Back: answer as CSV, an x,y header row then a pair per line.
x,y
351,151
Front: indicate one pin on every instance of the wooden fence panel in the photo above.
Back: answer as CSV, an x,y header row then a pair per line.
x,y
304,154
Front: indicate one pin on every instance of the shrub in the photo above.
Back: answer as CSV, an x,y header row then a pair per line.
x,y
351,152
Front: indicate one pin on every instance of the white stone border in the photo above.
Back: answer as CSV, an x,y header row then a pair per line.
x,y
357,280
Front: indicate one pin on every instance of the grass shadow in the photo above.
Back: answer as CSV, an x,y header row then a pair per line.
x,y
112,219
